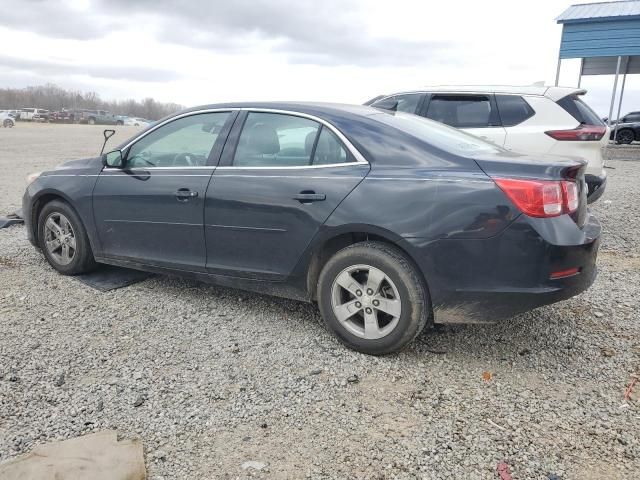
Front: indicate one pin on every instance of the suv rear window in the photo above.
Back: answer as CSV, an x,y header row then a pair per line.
x,y
579,110
513,109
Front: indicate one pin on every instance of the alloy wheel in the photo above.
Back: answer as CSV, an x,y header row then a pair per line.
x,y
59,238
625,137
366,302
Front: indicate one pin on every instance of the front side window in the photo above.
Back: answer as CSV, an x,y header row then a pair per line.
x,y
513,109
185,142
461,111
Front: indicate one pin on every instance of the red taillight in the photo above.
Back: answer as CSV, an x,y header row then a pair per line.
x,y
541,198
583,133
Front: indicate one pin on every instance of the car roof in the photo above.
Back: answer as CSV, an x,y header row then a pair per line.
x,y
554,93
310,108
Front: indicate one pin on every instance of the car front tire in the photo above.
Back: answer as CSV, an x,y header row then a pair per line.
x,y
7,124
63,239
372,298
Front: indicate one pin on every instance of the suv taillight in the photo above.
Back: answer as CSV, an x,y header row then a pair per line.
x,y
541,198
583,133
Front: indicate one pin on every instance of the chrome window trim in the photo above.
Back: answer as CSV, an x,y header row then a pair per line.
x,y
295,167
360,160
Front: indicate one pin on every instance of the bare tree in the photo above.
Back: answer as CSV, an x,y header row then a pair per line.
x,y
53,97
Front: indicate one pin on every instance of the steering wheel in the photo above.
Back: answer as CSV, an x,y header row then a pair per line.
x,y
184,160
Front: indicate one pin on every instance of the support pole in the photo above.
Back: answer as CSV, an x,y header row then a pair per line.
x,y
624,80
615,88
580,74
558,69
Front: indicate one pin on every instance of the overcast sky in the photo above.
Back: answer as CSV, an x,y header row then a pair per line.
x,y
206,51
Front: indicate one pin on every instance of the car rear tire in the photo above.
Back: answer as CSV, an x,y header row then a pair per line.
x,y
372,298
63,239
625,136
119,123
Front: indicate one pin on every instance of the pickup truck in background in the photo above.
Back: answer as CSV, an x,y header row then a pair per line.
x,y
99,117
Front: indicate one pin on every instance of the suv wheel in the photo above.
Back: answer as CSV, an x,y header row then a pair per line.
x,y
64,240
625,136
372,298
7,123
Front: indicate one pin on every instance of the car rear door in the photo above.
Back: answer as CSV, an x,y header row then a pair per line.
x,y
280,177
475,113
151,211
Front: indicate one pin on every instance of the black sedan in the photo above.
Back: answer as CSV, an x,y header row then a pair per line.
x,y
628,129
389,221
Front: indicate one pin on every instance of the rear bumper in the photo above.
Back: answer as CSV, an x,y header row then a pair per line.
x,y
484,281
596,184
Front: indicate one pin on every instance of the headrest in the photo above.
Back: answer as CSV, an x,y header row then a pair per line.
x,y
264,139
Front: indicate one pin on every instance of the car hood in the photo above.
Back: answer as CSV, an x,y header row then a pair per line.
x,y
83,164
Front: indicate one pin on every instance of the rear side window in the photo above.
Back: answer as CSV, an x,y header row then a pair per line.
x,y
461,111
280,140
579,110
275,140
329,149
513,109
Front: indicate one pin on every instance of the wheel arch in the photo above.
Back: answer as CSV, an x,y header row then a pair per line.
x,y
38,203
329,244
633,131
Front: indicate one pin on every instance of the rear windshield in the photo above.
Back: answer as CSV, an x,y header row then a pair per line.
x,y
437,134
580,110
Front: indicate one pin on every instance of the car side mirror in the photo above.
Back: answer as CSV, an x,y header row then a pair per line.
x,y
113,159
387,104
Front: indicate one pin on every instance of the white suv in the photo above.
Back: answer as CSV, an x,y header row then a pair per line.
x,y
534,119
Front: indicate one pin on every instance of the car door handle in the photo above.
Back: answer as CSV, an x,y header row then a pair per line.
x,y
185,194
308,196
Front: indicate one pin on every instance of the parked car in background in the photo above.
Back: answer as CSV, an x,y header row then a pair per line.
x,y
98,117
628,130
63,116
7,119
33,115
137,122
533,120
301,200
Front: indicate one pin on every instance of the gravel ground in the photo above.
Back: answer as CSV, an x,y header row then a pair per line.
x,y
212,378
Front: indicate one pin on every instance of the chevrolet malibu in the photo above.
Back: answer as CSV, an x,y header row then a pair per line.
x,y
388,221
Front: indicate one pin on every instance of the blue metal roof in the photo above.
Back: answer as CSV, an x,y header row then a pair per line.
x,y
599,11
608,29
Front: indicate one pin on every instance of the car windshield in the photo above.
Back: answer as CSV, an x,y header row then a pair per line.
x,y
437,134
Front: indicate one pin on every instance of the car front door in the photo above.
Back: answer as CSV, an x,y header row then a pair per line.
x,y
281,176
474,113
151,210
